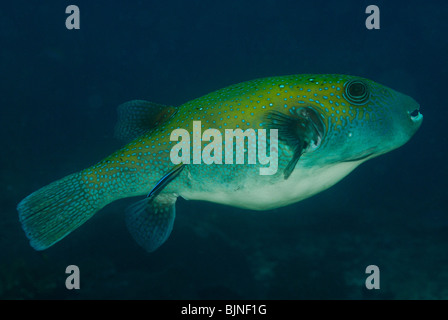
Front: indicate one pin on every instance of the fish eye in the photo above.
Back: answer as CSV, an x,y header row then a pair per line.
x,y
357,92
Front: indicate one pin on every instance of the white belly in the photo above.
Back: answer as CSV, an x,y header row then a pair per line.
x,y
300,185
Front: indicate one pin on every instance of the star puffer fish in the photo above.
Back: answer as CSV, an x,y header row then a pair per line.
x,y
326,125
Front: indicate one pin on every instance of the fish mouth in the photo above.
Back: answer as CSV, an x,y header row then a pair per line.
x,y
415,115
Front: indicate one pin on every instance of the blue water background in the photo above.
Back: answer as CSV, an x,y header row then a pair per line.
x,y
59,90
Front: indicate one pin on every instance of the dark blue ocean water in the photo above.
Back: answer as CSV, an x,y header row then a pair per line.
x,y
59,91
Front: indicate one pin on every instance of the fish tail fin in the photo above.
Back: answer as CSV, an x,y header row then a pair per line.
x,y
52,212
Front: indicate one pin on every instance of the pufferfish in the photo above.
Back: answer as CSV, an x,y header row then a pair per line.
x,y
326,126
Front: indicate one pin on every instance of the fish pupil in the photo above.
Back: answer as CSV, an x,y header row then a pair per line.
x,y
356,92
357,89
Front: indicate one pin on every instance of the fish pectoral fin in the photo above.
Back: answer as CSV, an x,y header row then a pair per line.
x,y
298,151
136,117
150,221
294,131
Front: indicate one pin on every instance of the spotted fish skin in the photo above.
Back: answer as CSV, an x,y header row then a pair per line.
x,y
354,119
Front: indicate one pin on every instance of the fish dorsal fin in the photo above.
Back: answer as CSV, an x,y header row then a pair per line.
x,y
302,130
137,117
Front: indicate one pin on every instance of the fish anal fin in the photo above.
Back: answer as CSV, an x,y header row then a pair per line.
x,y
150,221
